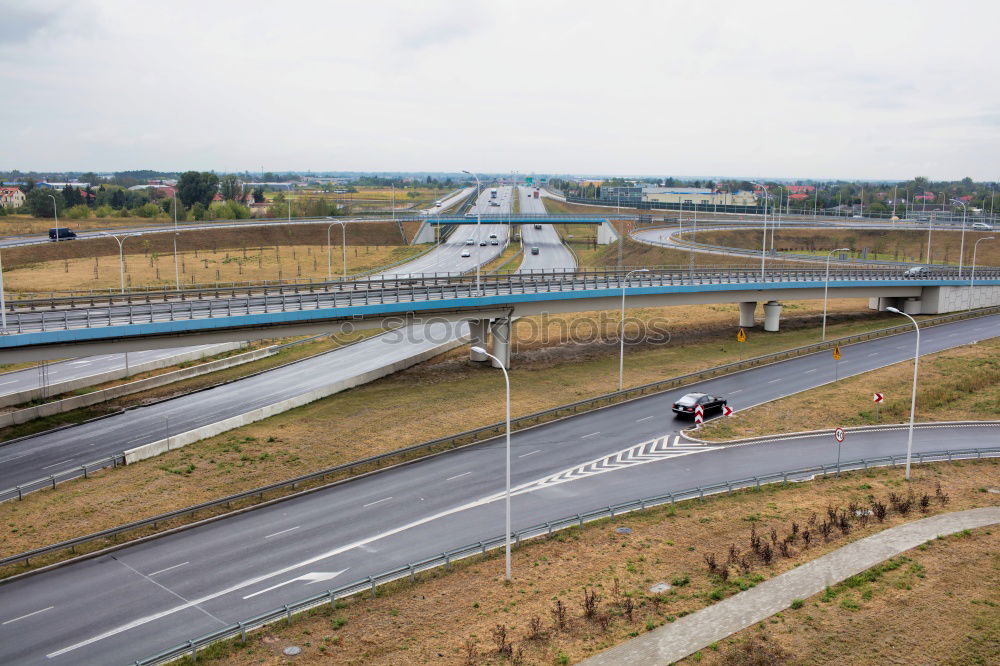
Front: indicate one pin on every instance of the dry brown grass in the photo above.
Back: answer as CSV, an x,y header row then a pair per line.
x,y
435,619
940,606
253,264
364,421
955,385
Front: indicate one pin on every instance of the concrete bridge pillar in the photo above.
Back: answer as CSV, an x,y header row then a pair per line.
x,y
501,342
772,312
606,234
746,313
478,334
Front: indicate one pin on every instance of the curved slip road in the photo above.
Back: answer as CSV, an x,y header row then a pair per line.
x,y
147,597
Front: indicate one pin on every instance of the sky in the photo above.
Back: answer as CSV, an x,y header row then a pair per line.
x,y
853,90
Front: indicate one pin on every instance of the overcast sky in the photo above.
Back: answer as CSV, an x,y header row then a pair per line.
x,y
781,89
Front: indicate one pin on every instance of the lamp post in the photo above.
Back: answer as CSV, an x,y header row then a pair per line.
x,y
826,286
55,214
329,250
177,270
961,251
913,395
3,302
763,249
621,329
121,255
972,278
479,219
506,379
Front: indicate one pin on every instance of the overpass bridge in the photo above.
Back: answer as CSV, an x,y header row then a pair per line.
x,y
85,325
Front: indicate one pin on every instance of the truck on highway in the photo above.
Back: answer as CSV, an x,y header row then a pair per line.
x,y
493,193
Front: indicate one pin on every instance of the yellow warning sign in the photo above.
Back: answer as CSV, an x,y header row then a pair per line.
x,y
741,336
836,352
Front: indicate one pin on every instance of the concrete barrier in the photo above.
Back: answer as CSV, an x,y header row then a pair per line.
x,y
118,373
191,436
95,397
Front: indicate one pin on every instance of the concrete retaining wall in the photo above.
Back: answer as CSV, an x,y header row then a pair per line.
x,y
117,373
60,406
192,436
941,300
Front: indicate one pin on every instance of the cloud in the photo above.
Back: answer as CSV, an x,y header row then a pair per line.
x,y
21,24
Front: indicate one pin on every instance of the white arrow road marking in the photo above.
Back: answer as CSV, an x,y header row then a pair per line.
x,y
312,577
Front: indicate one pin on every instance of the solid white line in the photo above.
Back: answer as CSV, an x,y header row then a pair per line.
x,y
13,381
15,457
457,476
775,380
530,453
57,464
376,502
677,438
168,568
591,434
808,371
645,418
28,615
873,354
282,531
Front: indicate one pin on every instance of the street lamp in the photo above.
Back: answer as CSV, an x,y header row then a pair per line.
x,y
479,219
826,286
329,260
763,249
961,251
621,328
913,395
3,302
972,279
506,379
55,213
121,254
177,270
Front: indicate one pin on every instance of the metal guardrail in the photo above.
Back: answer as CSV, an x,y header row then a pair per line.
x,y
370,584
468,437
408,289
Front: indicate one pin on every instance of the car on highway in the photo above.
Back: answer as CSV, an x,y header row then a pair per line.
x,y
686,405
60,233
982,226
538,226
482,243
438,204
466,253
470,241
493,236
915,271
494,242
534,250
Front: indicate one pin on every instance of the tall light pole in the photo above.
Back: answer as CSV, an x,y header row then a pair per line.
x,y
479,219
177,269
289,202
763,249
506,379
913,395
121,254
3,302
55,213
826,285
621,329
961,251
972,279
329,251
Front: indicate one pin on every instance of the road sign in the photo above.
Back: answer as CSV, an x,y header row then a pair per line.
x,y
699,414
741,336
727,410
698,419
836,352
838,434
878,397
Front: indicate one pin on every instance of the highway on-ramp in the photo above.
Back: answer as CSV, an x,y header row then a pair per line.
x,y
146,597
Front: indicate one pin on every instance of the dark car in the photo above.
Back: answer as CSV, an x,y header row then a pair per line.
x,y
534,250
482,243
685,406
538,226
60,233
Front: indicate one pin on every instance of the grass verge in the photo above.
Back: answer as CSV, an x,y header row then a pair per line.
x,y
583,590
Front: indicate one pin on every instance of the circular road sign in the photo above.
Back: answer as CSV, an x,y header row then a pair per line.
x,y
838,434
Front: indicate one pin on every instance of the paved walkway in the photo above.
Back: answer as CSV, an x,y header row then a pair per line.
x,y
676,640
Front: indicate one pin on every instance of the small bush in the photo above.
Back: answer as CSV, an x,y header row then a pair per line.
x,y
797,604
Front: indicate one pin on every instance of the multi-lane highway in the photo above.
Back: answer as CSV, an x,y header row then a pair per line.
x,y
552,254
143,598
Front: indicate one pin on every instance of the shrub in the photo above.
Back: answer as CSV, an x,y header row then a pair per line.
x,y
797,604
756,650
80,212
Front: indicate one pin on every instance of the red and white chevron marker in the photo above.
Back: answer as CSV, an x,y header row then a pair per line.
x,y
727,410
878,397
699,415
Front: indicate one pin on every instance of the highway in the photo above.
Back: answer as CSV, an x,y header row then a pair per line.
x,y
147,597
552,254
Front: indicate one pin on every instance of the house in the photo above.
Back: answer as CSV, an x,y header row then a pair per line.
x,y
11,197
800,189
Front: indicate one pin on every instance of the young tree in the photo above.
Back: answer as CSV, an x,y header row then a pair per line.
x,y
258,195
39,204
197,187
231,188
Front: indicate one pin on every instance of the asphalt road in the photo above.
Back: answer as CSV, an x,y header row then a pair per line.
x,y
552,254
147,597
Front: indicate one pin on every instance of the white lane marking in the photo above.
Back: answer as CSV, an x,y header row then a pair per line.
x,y
15,457
169,568
290,529
312,577
645,418
593,434
28,615
736,391
162,586
775,380
677,438
384,499
58,463
529,453
458,476
808,371
13,381
873,354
